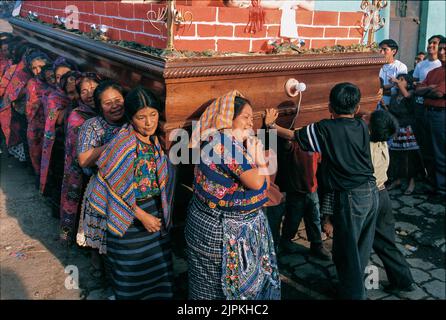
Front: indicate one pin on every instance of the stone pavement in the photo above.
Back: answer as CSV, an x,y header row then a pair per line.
x,y
32,262
420,235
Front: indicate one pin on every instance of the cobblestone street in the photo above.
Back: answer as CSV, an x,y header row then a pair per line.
x,y
33,262
420,235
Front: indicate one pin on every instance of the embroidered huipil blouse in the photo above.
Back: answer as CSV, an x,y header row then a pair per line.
x,y
145,178
217,177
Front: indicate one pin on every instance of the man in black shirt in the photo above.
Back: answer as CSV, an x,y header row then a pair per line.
x,y
347,169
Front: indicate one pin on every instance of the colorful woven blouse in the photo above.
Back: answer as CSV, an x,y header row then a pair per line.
x,y
95,132
217,177
145,179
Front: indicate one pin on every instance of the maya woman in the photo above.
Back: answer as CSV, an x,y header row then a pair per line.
x,y
74,179
94,135
35,115
230,248
133,189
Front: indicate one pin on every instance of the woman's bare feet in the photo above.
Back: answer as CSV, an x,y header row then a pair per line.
x,y
394,184
327,226
410,187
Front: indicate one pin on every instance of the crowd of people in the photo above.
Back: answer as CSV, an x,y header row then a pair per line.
x,y
95,151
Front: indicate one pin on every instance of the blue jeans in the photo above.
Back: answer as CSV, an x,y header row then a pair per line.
x,y
354,220
437,122
304,205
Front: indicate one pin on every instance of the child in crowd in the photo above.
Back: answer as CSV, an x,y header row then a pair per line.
x,y
405,152
300,184
382,127
347,169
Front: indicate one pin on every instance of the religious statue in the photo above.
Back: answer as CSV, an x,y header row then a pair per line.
x,y
288,26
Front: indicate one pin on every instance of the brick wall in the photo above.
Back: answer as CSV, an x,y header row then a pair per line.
x,y
213,26
126,21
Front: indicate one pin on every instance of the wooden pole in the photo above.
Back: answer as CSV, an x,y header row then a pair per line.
x,y
170,23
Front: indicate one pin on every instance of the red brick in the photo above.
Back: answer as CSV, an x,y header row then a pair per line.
x,y
113,34
273,32
355,33
109,22
56,4
304,17
336,33
259,45
347,42
141,9
200,14
234,15
310,32
272,16
322,43
112,8
233,45
46,19
135,25
159,43
90,19
88,6
25,8
150,29
202,3
186,30
350,18
119,23
240,33
325,18
127,36
99,7
143,39
126,10
84,27
204,30
194,45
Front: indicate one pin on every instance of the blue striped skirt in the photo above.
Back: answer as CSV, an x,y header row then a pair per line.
x,y
140,262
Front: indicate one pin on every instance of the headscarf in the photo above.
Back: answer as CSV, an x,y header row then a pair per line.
x,y
36,55
217,116
62,61
70,76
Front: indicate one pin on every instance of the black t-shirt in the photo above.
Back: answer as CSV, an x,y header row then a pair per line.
x,y
344,145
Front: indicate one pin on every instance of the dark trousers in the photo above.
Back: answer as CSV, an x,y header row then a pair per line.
x,y
405,164
274,215
397,269
436,119
422,133
304,205
354,222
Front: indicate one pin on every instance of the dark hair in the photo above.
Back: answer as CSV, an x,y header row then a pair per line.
x,y
36,55
344,98
18,52
45,68
421,52
408,78
382,126
64,79
84,77
103,86
439,36
390,43
443,40
239,103
140,98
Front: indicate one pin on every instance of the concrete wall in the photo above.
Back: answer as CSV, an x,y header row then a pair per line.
x,y
432,21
